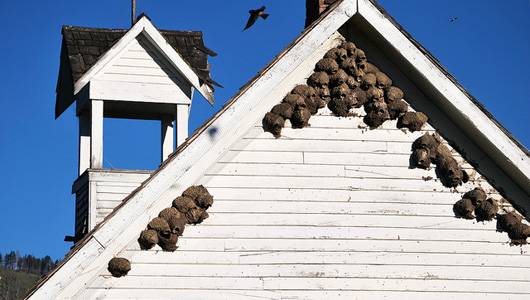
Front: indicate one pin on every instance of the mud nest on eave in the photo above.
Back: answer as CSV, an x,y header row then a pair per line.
x,y
475,204
429,149
512,223
189,208
119,266
344,80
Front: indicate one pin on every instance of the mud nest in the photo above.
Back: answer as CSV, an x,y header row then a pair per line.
x,y
168,213
189,208
414,121
464,209
343,80
148,239
193,203
119,267
183,204
474,204
200,195
376,113
429,149
284,110
158,224
273,123
486,210
168,241
511,223
477,195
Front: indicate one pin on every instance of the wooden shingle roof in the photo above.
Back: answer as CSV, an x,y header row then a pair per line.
x,y
85,46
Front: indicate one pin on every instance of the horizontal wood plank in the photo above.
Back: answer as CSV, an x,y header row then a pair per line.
x,y
183,257
241,294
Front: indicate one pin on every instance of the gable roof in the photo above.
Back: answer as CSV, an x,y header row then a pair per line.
x,y
241,112
83,49
85,46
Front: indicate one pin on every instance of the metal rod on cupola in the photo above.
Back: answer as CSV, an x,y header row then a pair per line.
x,y
133,12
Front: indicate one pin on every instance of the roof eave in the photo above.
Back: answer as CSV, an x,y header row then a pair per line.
x,y
485,131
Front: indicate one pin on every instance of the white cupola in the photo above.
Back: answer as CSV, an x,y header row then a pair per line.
x,y
139,73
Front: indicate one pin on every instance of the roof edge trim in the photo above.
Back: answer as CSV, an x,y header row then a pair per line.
x,y
480,121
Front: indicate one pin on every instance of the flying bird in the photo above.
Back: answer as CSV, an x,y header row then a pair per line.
x,y
453,19
254,15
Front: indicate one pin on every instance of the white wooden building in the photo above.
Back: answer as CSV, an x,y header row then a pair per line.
x,y
330,211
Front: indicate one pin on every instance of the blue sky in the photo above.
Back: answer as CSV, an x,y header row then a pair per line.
x,y
487,49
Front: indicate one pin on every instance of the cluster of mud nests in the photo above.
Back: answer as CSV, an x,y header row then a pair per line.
x,y
344,80
476,204
119,267
164,230
429,149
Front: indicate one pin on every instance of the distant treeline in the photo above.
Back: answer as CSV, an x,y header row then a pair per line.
x,y
27,263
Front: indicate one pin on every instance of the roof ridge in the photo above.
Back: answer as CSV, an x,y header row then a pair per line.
x,y
170,31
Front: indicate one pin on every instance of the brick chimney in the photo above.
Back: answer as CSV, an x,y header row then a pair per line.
x,y
314,8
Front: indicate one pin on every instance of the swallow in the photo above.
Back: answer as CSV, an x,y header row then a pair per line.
x,y
254,15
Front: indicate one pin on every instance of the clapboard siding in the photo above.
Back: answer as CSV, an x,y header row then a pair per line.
x,y
140,74
328,211
331,211
328,271
154,69
186,257
115,186
314,283
239,294
107,188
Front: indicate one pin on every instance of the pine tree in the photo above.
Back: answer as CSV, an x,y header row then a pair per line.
x,y
10,261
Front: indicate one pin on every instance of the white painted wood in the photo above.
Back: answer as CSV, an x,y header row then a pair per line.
x,y
96,131
324,158
104,190
277,283
121,176
182,116
140,91
329,183
184,257
167,137
92,205
310,269
128,81
315,170
343,233
315,145
355,134
84,142
238,294
362,245
338,208
407,242
297,194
